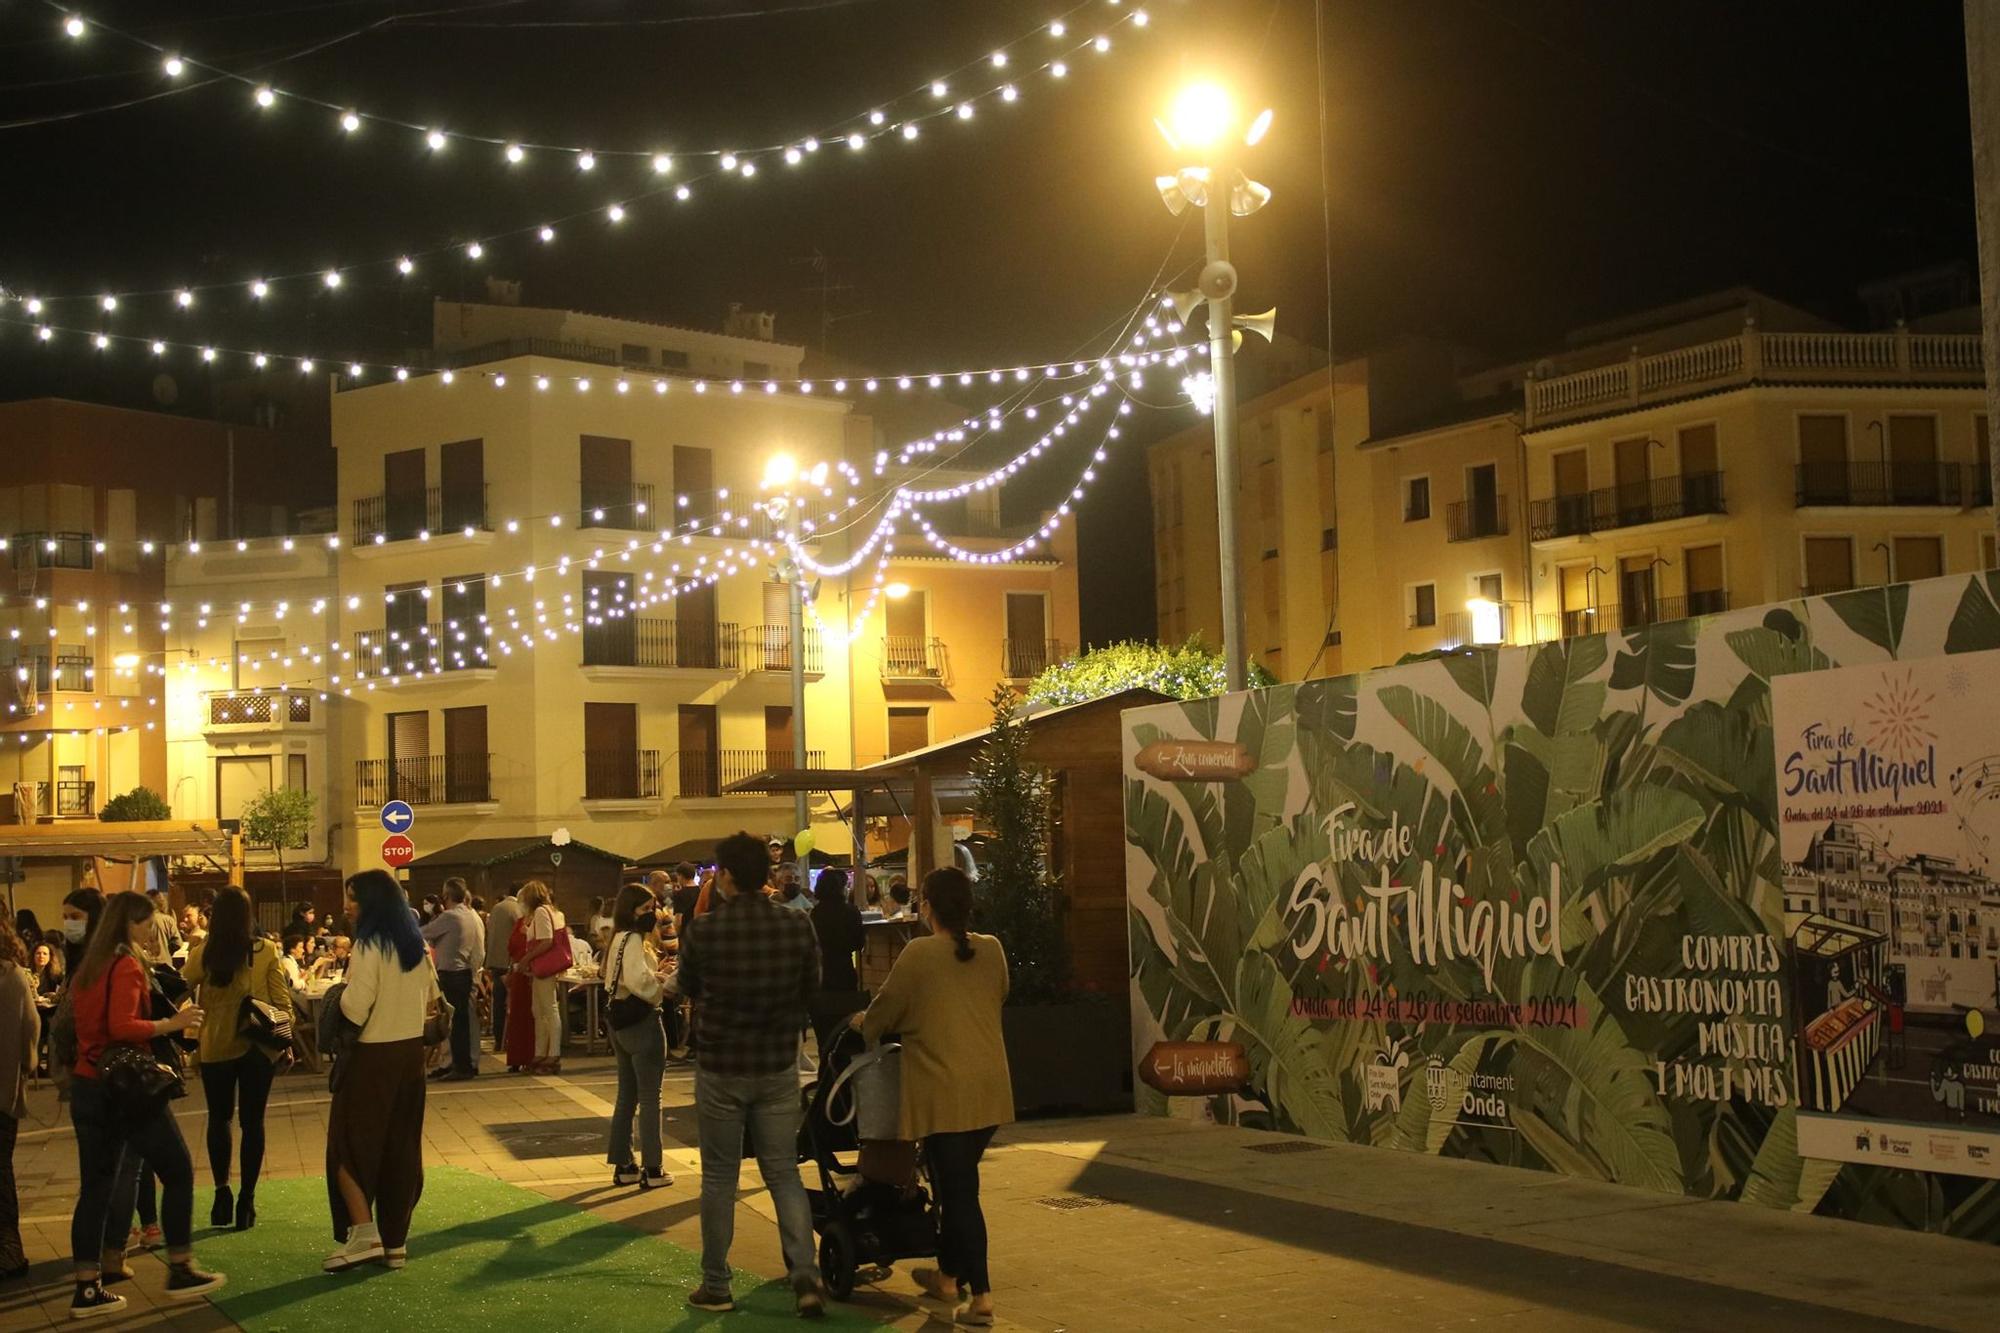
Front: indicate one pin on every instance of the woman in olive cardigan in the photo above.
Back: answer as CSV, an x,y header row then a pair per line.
x,y
943,1000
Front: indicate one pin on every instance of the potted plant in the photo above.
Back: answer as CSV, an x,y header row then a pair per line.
x,y
1067,1049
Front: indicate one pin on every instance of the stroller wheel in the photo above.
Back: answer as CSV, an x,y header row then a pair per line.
x,y
837,1260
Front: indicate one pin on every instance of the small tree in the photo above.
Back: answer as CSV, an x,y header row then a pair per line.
x,y
140,803
279,819
1190,671
1020,889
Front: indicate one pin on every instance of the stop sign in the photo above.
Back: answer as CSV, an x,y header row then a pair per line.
x,y
398,850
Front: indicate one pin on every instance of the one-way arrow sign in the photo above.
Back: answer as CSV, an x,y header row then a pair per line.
x,y
397,817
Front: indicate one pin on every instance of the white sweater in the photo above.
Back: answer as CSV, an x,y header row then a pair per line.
x,y
388,1003
628,970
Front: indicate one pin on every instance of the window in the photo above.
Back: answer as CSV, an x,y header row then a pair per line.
x,y
777,736
1706,591
700,759
465,758
1488,586
1423,605
464,620
673,360
1917,558
239,780
295,772
1829,564
1823,474
756,370
409,766
636,354
909,729
610,752
1416,499
462,484
694,473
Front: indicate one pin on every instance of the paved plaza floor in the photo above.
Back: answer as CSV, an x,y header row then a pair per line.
x,y
1110,1223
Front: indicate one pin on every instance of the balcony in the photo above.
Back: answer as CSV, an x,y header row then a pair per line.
x,y
258,710
769,648
703,774
1024,659
913,658
420,649
1656,500
1467,521
621,775
1883,483
1753,356
1461,629
75,672
627,508
433,779
76,799
662,644
53,550
404,516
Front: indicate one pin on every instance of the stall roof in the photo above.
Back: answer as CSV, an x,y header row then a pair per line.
x,y
1827,938
773,781
89,837
498,851
1136,696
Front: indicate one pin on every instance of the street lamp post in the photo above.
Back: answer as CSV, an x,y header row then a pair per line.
x,y
1203,119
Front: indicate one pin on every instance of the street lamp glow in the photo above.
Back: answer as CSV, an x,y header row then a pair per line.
x,y
1201,114
781,470
896,592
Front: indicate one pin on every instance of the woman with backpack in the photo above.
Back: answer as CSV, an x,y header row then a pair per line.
x,y
633,989
119,1110
230,969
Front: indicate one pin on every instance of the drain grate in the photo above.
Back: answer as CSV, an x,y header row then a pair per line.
x,y
1070,1202
1285,1146
535,1140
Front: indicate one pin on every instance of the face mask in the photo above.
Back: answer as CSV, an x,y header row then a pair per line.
x,y
74,931
648,923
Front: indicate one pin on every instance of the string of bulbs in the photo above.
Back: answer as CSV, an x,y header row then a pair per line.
x,y
893,120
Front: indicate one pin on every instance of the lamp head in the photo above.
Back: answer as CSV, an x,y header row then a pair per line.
x,y
1201,116
781,470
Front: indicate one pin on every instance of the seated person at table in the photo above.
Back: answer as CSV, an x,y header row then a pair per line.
x,y
899,900
331,962
292,959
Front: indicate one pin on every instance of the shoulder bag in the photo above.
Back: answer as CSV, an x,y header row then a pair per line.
x,y
136,1080
625,1010
557,958
266,1026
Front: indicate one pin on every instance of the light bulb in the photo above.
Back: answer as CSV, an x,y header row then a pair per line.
x,y
683,193
876,118
74,26
748,169
265,97
662,164
109,303
1140,18
793,156
514,152
401,373
939,89
174,66
1101,45
1009,93
475,250
260,360
728,162
354,371
446,377
999,60
910,130
332,278
102,342
260,289
547,234
1058,70
183,298
586,161
965,111
305,365
1058,28
811,144
34,305
159,349
349,121
208,354
856,142
616,212
436,140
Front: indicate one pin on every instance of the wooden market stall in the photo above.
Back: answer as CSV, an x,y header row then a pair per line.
x,y
575,871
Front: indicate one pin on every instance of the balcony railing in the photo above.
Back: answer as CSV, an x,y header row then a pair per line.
x,y
53,550
915,657
1882,483
403,515
703,774
1656,500
770,649
621,775
1462,629
628,508
421,648
69,671
76,799
1753,355
1024,659
647,641
241,710
1467,521
431,779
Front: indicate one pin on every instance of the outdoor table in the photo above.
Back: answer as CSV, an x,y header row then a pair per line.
x,y
311,999
592,986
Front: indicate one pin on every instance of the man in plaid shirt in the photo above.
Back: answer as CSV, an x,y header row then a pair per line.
x,y
752,968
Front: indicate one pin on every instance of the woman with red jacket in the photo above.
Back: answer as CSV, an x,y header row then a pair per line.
x,y
111,999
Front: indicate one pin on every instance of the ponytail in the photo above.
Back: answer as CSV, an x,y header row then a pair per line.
x,y
949,894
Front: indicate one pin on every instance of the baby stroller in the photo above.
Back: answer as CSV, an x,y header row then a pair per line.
x,y
875,1208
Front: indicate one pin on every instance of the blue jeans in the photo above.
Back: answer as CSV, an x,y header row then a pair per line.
x,y
768,1106
642,1059
104,1147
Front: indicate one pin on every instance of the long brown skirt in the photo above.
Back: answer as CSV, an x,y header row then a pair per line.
x,y
376,1131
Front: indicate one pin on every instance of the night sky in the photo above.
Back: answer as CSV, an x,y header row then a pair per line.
x,y
1492,171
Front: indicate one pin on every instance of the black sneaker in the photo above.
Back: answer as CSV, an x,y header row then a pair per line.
x,y
92,1299
625,1175
656,1180
185,1282
703,1297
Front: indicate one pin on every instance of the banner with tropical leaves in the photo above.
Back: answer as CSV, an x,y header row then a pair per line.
x,y
1520,905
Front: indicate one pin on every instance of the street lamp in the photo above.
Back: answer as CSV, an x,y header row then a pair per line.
x,y
1203,122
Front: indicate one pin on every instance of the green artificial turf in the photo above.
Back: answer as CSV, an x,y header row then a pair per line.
x,y
483,1255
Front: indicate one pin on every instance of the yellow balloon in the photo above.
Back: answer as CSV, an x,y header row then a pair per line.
x,y
1975,1022
802,843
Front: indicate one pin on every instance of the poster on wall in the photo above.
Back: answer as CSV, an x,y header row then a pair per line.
x,y
1540,906
1889,830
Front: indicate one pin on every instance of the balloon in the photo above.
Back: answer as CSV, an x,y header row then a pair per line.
x,y
1975,1022
802,843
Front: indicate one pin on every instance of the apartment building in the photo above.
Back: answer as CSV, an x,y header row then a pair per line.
x,y
91,499
247,708
1725,451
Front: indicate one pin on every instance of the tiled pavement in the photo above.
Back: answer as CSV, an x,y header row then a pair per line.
x,y
1126,1223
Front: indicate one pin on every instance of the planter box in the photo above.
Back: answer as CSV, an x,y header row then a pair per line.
x,y
1070,1057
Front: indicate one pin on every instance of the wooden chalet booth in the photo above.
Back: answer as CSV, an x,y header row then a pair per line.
x,y
575,871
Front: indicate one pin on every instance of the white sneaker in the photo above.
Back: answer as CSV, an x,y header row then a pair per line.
x,y
364,1245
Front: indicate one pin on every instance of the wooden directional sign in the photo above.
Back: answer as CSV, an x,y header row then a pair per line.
x,y
1196,761
398,851
1195,1068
